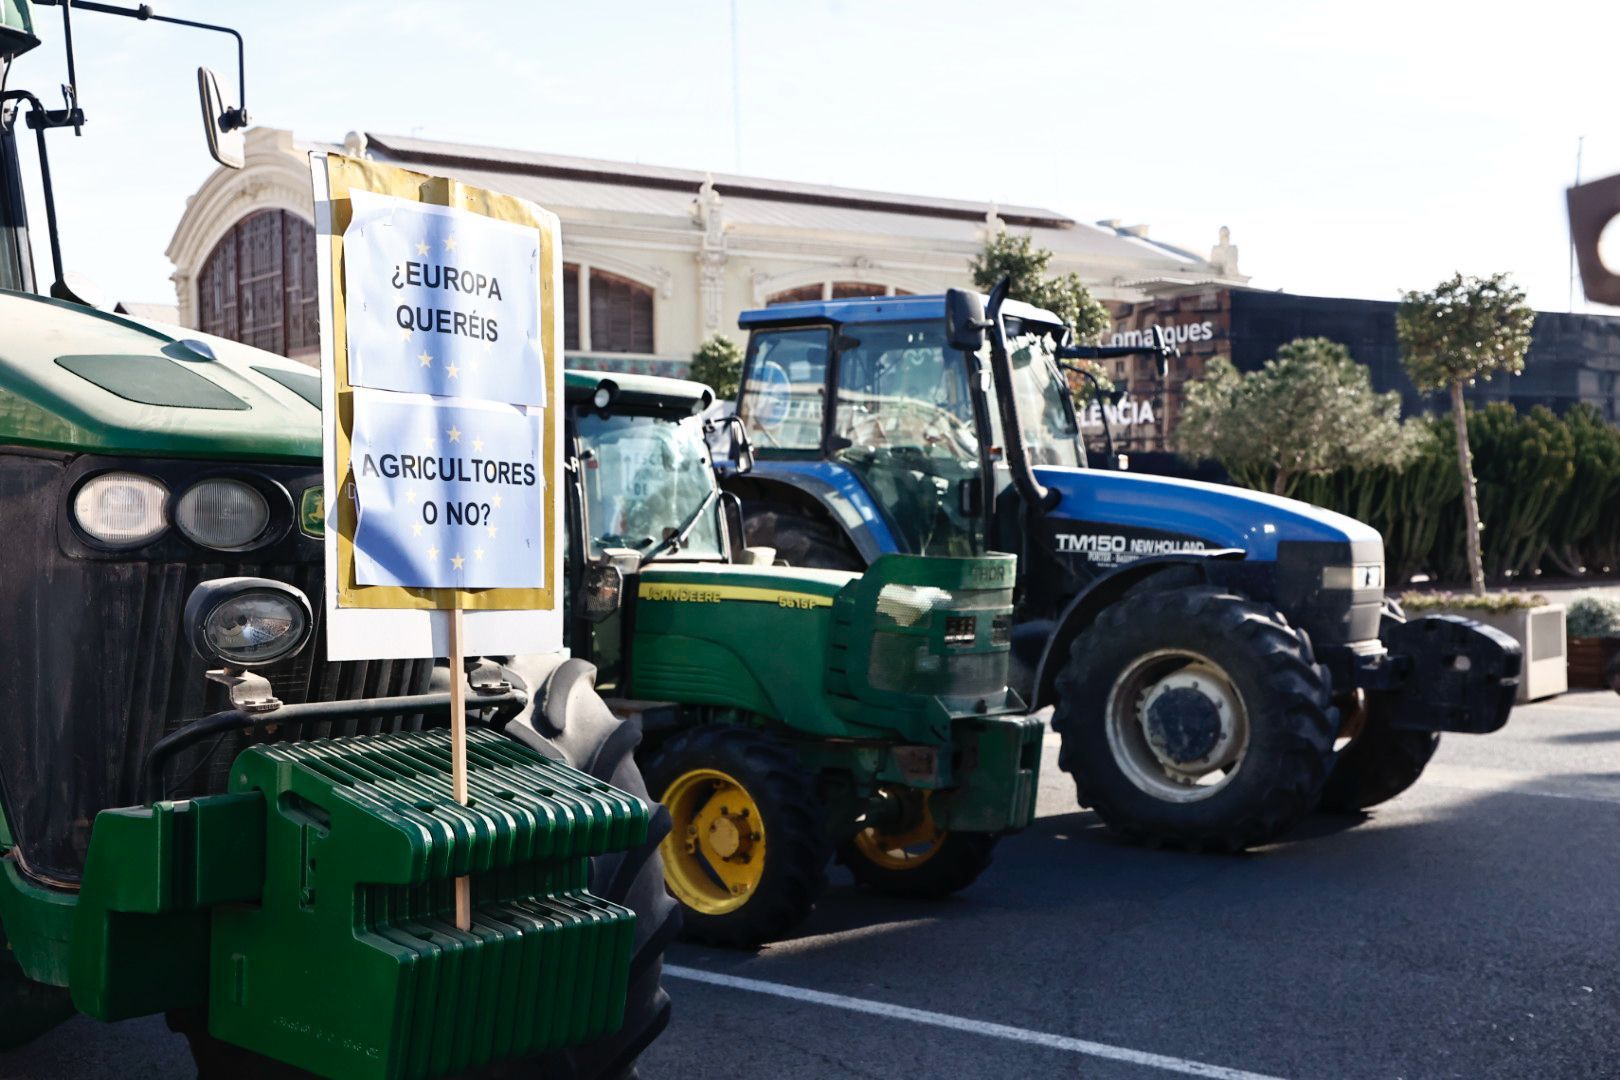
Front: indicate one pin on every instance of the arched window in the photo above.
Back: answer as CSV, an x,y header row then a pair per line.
x,y
834,290
605,313
793,296
258,285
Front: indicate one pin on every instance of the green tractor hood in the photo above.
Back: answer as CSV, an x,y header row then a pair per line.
x,y
77,379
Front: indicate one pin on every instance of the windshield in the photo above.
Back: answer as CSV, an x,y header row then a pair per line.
x,y
643,477
1051,435
904,423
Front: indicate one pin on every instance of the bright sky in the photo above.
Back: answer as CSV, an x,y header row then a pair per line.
x,y
1353,149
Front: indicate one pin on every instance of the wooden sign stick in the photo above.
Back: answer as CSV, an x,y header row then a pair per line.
x,y
458,753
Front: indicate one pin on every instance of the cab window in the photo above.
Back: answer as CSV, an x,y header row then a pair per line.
x,y
784,397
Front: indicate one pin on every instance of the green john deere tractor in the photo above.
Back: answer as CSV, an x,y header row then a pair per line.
x,y
788,714
200,815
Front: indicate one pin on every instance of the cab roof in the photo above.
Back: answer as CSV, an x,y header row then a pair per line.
x,y
16,28
647,391
874,309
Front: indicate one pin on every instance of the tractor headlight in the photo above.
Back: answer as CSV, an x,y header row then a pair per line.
x,y
1358,577
247,622
227,515
121,509
908,605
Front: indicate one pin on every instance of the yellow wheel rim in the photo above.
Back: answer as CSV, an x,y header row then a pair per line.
x,y
714,857
905,849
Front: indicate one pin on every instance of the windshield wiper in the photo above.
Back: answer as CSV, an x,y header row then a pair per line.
x,y
678,537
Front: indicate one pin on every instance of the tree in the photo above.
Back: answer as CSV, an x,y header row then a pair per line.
x,y
1311,410
1465,329
718,362
1066,297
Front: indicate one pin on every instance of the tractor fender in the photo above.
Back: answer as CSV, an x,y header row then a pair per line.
x,y
840,495
1105,590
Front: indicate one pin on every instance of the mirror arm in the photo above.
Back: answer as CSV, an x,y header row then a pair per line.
x,y
230,121
1112,397
40,118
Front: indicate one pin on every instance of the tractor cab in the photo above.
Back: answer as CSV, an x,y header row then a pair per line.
x,y
914,419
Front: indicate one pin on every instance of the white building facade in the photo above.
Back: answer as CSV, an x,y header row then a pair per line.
x,y
657,259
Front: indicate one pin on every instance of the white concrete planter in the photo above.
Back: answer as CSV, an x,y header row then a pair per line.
x,y
1540,632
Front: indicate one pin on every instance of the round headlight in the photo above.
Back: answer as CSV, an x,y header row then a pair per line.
x,y
121,509
224,514
255,628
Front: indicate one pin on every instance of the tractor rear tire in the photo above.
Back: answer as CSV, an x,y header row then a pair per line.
x,y
741,806
952,866
568,722
799,539
1165,683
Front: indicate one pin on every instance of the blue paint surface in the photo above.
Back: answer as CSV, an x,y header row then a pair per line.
x,y
1221,516
848,487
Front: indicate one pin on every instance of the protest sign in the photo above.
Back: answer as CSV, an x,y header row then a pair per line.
x,y
441,436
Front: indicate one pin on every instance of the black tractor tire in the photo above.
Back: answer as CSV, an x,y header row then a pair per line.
x,y
1284,693
796,845
1378,765
1382,761
567,721
958,862
799,538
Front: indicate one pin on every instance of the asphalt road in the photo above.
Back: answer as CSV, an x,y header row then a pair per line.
x,y
1471,928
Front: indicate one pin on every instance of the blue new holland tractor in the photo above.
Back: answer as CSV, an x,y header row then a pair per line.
x,y
1221,661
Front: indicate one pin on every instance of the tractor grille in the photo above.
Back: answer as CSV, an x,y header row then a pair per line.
x,y
95,669
164,704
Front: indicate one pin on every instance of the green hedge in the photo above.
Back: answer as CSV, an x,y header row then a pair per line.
x,y
1549,495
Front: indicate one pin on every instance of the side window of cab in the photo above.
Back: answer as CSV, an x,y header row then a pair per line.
x,y
784,396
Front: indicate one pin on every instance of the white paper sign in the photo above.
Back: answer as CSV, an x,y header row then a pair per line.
x,y
442,301
397,633
449,493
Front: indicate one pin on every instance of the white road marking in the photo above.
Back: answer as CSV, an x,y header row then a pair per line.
x,y
962,1023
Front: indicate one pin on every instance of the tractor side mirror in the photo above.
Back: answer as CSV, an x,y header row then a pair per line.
x,y
965,323
603,591
227,141
742,450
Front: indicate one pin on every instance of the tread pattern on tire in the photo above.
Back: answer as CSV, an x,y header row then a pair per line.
x,y
796,844
1292,678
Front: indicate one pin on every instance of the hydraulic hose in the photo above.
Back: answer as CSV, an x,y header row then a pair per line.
x,y
505,704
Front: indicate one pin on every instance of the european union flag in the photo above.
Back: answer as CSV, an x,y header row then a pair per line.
x,y
450,495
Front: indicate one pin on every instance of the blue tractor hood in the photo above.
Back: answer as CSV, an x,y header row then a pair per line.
x,y
1220,516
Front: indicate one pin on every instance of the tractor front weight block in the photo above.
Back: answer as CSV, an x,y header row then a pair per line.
x,y
998,776
311,908
1453,674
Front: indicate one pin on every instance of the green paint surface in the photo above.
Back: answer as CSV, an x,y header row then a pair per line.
x,y
62,387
